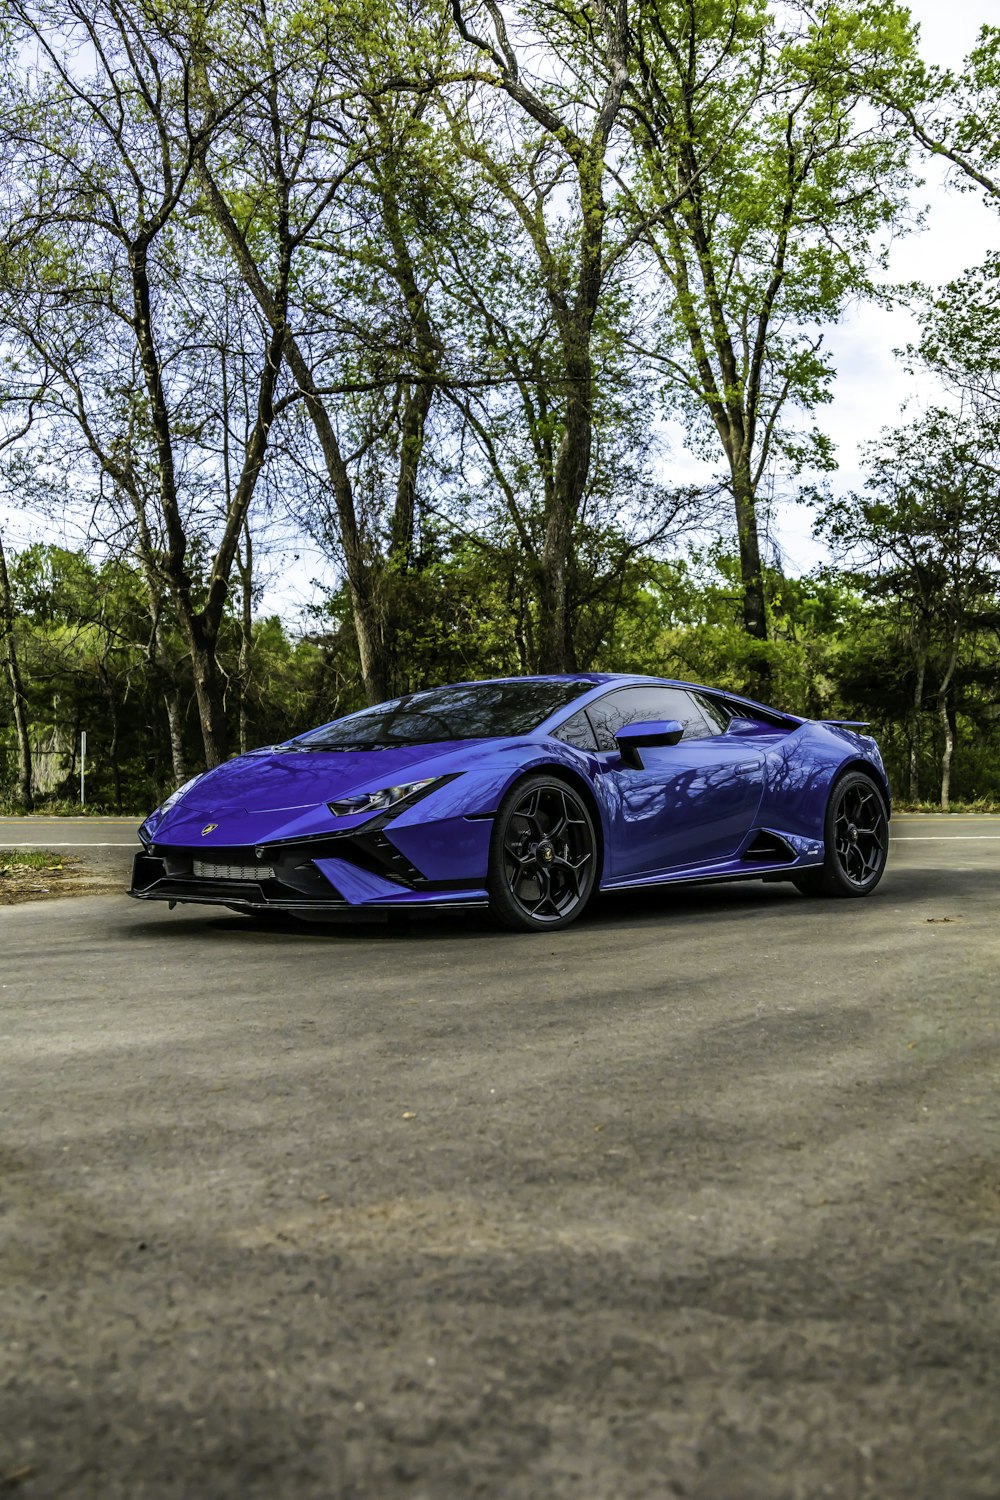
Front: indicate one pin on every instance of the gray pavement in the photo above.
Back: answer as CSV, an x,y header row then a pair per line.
x,y
700,1197
68,833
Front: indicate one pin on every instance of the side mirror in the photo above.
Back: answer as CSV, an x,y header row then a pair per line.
x,y
651,732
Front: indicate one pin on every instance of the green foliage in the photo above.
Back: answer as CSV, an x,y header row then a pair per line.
x,y
925,539
838,649
960,335
84,637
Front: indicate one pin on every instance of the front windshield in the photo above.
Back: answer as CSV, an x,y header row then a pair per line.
x,y
470,711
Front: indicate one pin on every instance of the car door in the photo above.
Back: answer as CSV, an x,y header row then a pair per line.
x,y
692,803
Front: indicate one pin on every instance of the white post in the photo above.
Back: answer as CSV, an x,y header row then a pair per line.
x,y
83,768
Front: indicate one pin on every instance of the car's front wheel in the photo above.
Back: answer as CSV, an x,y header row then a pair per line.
x,y
543,856
856,841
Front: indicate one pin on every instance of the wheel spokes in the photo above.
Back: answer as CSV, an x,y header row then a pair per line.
x,y
572,871
547,850
860,834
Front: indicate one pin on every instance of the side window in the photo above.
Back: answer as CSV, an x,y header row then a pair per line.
x,y
625,706
715,712
576,731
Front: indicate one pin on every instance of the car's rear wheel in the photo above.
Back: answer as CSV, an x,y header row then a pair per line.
x,y
856,839
543,856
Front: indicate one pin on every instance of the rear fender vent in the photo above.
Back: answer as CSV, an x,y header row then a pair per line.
x,y
768,848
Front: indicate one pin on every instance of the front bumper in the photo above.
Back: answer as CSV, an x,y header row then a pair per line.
x,y
332,875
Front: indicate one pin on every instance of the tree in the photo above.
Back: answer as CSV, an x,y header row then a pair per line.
x,y
12,436
953,116
927,538
327,177
96,269
960,338
565,124
12,671
83,628
504,476
791,188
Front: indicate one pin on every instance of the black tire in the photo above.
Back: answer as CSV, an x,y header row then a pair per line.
x,y
543,856
856,837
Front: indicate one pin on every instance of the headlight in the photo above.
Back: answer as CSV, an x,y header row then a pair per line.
x,y
378,801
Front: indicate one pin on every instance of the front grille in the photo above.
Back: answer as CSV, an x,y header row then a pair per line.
x,y
202,870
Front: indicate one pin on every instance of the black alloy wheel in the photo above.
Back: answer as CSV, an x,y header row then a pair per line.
x,y
857,841
543,856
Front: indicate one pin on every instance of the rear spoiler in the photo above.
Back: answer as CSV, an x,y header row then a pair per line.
x,y
845,723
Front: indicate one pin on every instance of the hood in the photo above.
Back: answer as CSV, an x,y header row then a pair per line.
x,y
277,780
282,793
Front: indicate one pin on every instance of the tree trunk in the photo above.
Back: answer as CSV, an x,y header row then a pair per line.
x,y
175,729
573,299
417,397
416,406
918,708
751,572
158,657
244,567
947,721
361,574
555,647
13,671
200,627
116,770
209,693
947,750
557,652
393,601
157,652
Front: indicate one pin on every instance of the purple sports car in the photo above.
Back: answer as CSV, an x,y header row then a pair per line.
x,y
525,795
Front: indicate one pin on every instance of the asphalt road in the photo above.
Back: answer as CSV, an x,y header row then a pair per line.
x,y
698,1198
112,842
107,844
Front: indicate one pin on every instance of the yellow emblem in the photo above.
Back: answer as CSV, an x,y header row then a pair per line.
x,y
208,828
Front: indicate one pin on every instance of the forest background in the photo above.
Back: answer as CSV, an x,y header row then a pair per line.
x,y
427,286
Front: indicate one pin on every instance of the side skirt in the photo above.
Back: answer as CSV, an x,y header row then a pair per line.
x,y
714,877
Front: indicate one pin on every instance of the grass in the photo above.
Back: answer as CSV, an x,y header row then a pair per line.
x,y
980,805
65,807
29,859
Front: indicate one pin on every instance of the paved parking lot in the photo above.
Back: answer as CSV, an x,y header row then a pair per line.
x,y
699,1197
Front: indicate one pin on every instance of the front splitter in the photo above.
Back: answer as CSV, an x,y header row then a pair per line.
x,y
317,909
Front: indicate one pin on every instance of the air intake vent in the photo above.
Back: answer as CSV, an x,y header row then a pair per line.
x,y
768,848
203,869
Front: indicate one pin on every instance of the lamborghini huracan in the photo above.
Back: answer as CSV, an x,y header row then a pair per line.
x,y
525,795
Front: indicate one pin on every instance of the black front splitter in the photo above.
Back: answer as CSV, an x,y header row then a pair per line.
x,y
311,910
